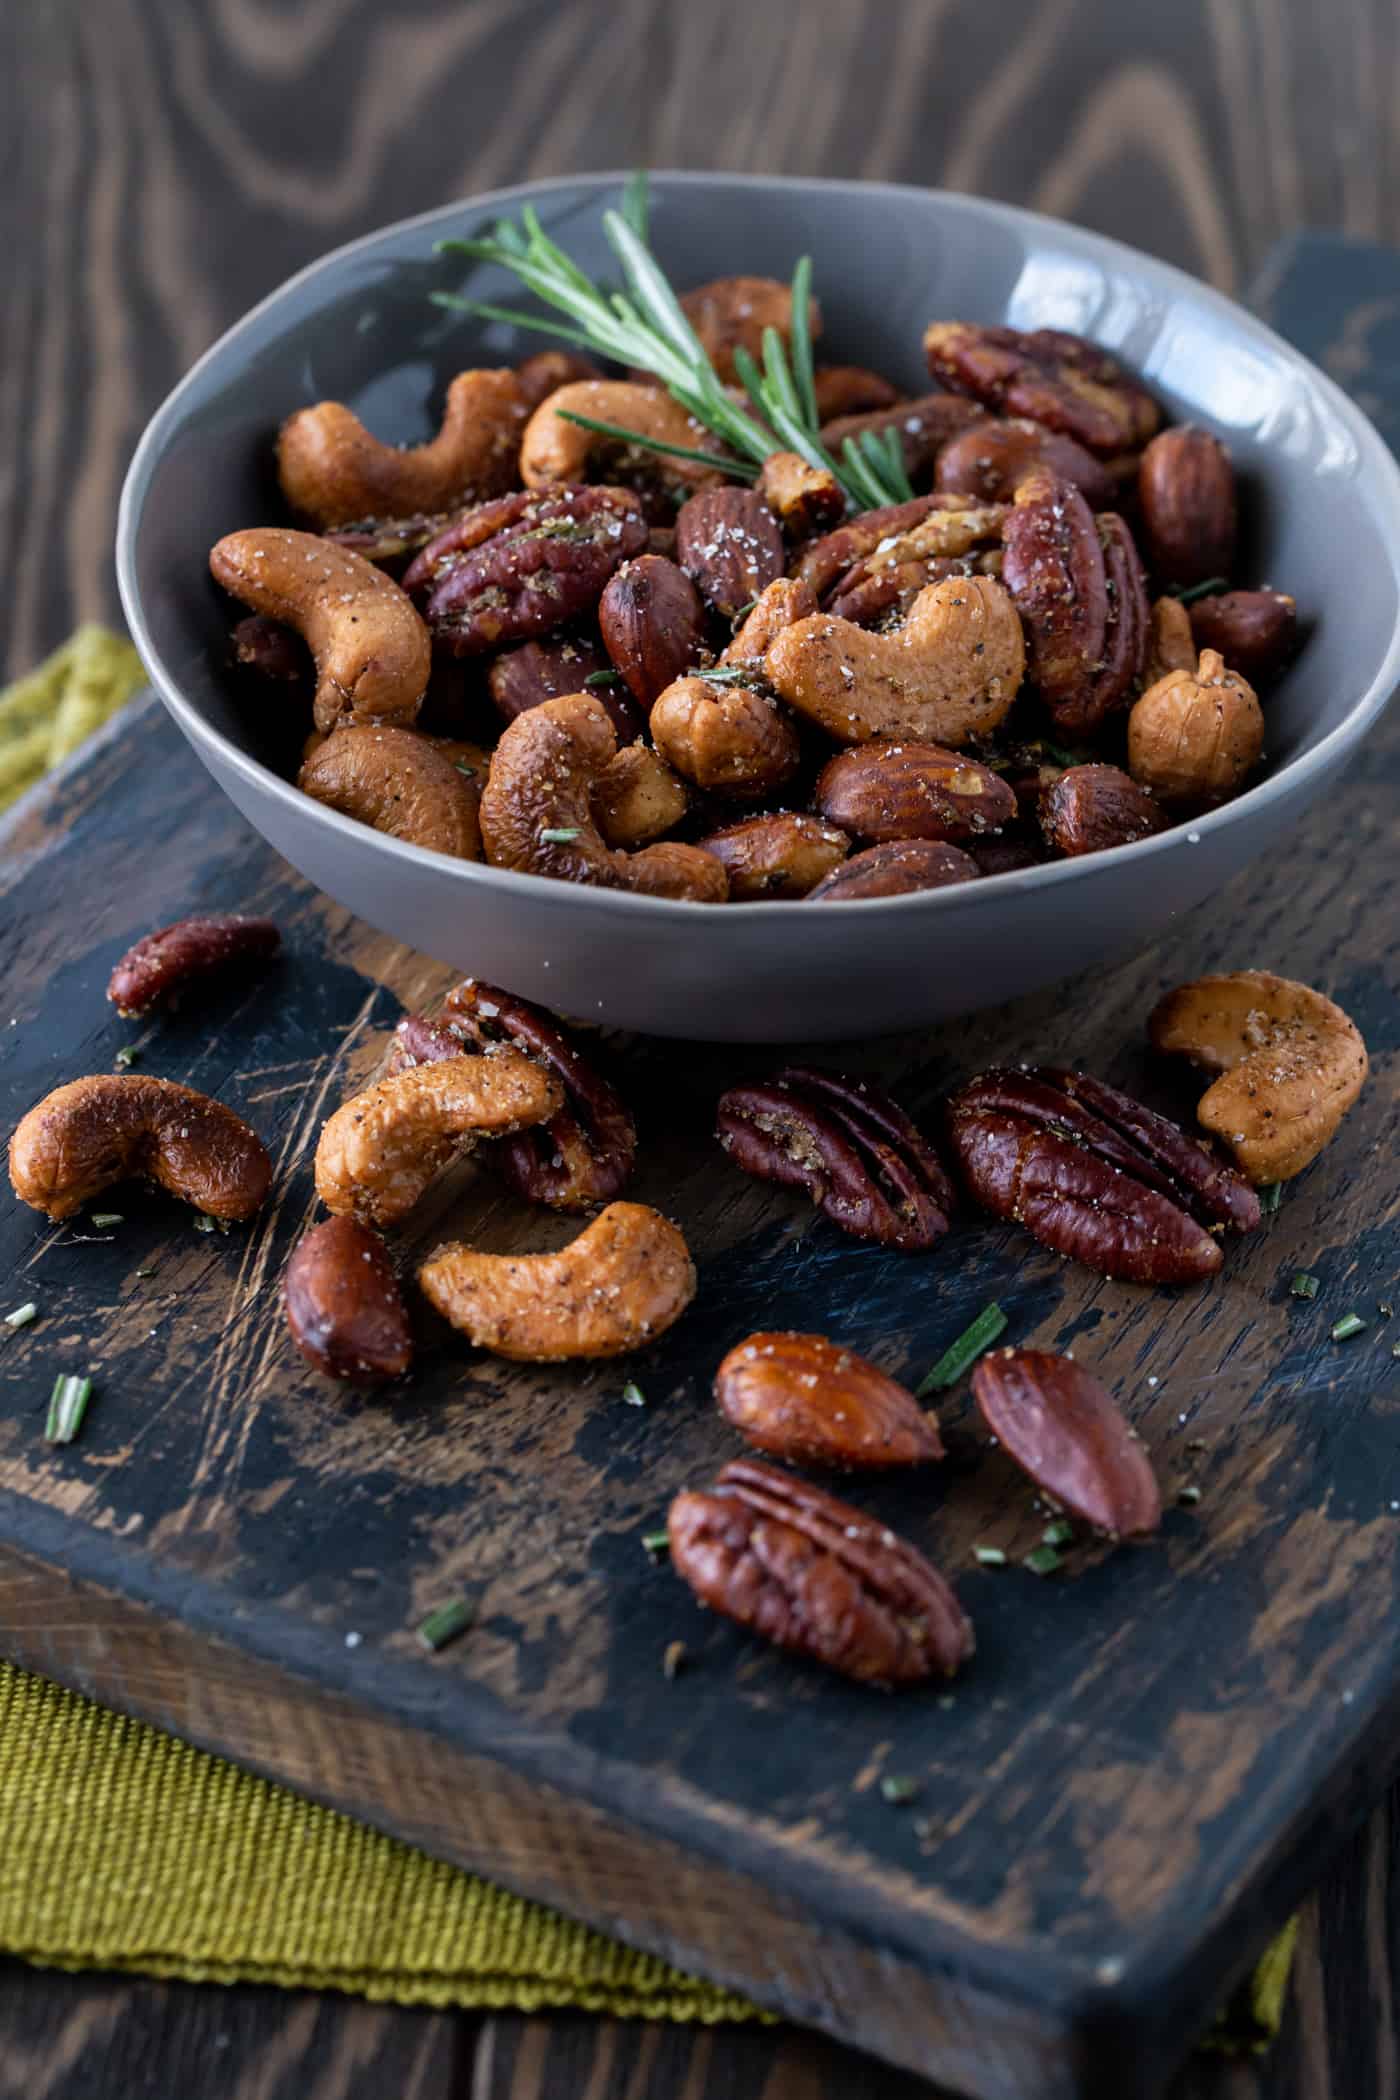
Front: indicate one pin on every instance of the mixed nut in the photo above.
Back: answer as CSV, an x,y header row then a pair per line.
x,y
703,674
1083,1166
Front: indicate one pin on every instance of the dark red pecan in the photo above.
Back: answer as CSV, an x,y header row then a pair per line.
x,y
1119,677
804,1397
729,542
1186,500
272,651
1054,378
853,1150
881,597
992,458
1062,1427
1095,1175
1081,593
882,790
521,678
583,1155
653,623
896,868
1087,809
344,1306
816,1576
520,566
162,966
389,541
828,559
923,426
1255,631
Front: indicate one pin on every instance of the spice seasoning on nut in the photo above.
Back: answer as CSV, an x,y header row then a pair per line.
x,y
343,1305
161,967
1062,1427
806,1398
117,1126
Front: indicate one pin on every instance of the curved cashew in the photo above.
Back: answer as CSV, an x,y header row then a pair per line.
x,y
553,451
537,814
1293,1063
381,1151
372,650
397,782
1171,646
333,472
625,1279
85,1136
786,601
949,673
1194,735
731,739
637,798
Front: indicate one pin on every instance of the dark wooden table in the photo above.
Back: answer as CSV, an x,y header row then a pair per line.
x,y
164,165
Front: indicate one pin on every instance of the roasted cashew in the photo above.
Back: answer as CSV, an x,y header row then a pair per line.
x,y
553,451
786,601
381,1151
637,798
730,739
334,473
949,673
625,1279
1194,736
1293,1063
397,782
85,1136
537,814
372,650
1171,646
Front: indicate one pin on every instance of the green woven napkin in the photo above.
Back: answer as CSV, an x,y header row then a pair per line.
x,y
55,708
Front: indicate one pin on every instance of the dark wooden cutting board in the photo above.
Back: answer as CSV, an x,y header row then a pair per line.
x,y
1148,1760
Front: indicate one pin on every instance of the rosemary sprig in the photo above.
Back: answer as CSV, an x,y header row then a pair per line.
x,y
646,326
740,469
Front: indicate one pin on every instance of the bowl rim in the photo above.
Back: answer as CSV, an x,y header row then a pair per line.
x,y
1378,466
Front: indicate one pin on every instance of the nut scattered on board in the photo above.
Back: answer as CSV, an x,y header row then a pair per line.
x,y
381,1150
806,1398
399,782
1291,1065
816,1576
1063,1428
1094,1175
625,1279
92,1133
1195,736
371,649
162,966
333,472
344,1306
848,1146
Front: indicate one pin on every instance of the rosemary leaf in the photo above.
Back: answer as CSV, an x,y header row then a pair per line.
x,y
635,202
1347,1326
803,373
963,1353
67,1406
559,835
444,1624
777,378
738,468
1211,588
633,1394
1270,1197
1304,1285
897,1788
1043,1561
990,1556
455,303
656,1543
603,678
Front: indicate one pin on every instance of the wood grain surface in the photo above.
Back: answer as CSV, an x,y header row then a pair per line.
x,y
164,165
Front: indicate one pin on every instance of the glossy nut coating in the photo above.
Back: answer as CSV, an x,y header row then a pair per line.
x,y
399,782
555,452
1195,736
1186,500
344,1306
1088,809
192,953
1061,380
815,1576
886,790
617,1287
1255,631
92,1133
992,458
897,868
729,544
334,472
653,624
848,1146
783,854
1063,1428
806,1398
728,739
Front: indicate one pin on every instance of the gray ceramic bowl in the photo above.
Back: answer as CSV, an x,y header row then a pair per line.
x,y
358,326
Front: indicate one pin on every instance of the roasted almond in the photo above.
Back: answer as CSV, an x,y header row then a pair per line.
x,y
653,624
809,1399
1186,500
1087,809
1063,1428
728,542
887,790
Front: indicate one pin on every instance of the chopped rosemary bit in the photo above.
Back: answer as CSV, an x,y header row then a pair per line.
x,y
656,1543
1303,1285
744,611
559,835
990,1556
67,1405
1269,1198
1060,1533
674,1659
1386,1310
22,1315
1211,588
1188,1497
1347,1326
962,1354
147,1272
603,678
633,1394
126,1056
1043,1561
444,1624
468,771
897,1788
724,674
104,1220
204,1223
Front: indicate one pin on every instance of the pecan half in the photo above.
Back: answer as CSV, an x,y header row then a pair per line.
x,y
1080,590
1062,1427
653,623
890,577
274,652
828,559
816,1576
803,1397
1255,631
852,1149
584,1153
729,542
523,565
1087,809
1186,499
1053,377
1094,1175
923,426
537,671
897,868
161,966
993,457
912,791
